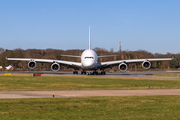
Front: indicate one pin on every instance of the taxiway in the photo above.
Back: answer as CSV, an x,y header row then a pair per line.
x,y
87,93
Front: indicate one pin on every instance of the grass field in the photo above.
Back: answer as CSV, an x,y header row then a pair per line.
x,y
27,82
82,108
99,108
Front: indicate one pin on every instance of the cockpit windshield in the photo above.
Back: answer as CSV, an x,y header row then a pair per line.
x,y
88,57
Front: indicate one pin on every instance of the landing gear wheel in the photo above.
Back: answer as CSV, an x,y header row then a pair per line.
x,y
83,72
75,72
95,73
103,73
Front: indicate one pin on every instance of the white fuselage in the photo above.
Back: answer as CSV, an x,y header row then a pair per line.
x,y
89,60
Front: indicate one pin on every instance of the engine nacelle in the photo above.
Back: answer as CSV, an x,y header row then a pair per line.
x,y
146,65
123,67
55,67
32,65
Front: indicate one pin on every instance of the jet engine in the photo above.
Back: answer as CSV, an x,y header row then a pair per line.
x,y
123,67
55,67
146,65
32,65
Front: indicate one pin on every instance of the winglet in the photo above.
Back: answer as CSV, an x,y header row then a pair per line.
x,y
89,39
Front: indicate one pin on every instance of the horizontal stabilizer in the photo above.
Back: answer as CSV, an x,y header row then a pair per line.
x,y
107,56
71,56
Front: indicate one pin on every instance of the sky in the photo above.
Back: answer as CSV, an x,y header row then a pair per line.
x,y
151,25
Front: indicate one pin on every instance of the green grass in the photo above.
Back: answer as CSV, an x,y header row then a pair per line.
x,y
14,83
167,75
97,108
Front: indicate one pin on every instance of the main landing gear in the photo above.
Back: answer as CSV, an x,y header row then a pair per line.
x,y
103,72
96,73
83,72
75,72
90,73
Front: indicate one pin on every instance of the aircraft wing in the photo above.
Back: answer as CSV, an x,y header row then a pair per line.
x,y
114,63
68,63
107,56
71,56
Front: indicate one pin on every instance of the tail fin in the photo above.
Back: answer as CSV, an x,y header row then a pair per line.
x,y
89,39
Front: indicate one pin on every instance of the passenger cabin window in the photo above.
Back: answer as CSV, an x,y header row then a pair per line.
x,y
89,58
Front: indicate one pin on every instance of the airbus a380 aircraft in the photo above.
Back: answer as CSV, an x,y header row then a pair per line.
x,y
88,62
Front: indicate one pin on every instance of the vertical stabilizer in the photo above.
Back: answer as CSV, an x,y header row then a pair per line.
x,y
89,39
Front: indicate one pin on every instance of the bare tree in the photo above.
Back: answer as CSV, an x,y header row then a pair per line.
x,y
1,50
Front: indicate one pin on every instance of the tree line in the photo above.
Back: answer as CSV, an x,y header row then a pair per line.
x,y
56,54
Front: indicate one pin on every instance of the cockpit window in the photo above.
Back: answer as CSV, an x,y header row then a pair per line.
x,y
89,58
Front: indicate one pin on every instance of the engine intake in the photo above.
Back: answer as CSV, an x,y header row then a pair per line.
x,y
146,65
32,65
55,67
123,67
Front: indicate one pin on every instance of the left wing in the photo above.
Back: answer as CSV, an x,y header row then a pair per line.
x,y
123,63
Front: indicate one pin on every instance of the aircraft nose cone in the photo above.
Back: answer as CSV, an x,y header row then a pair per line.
x,y
89,64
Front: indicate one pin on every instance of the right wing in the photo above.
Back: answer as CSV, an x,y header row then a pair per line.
x,y
71,56
67,63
